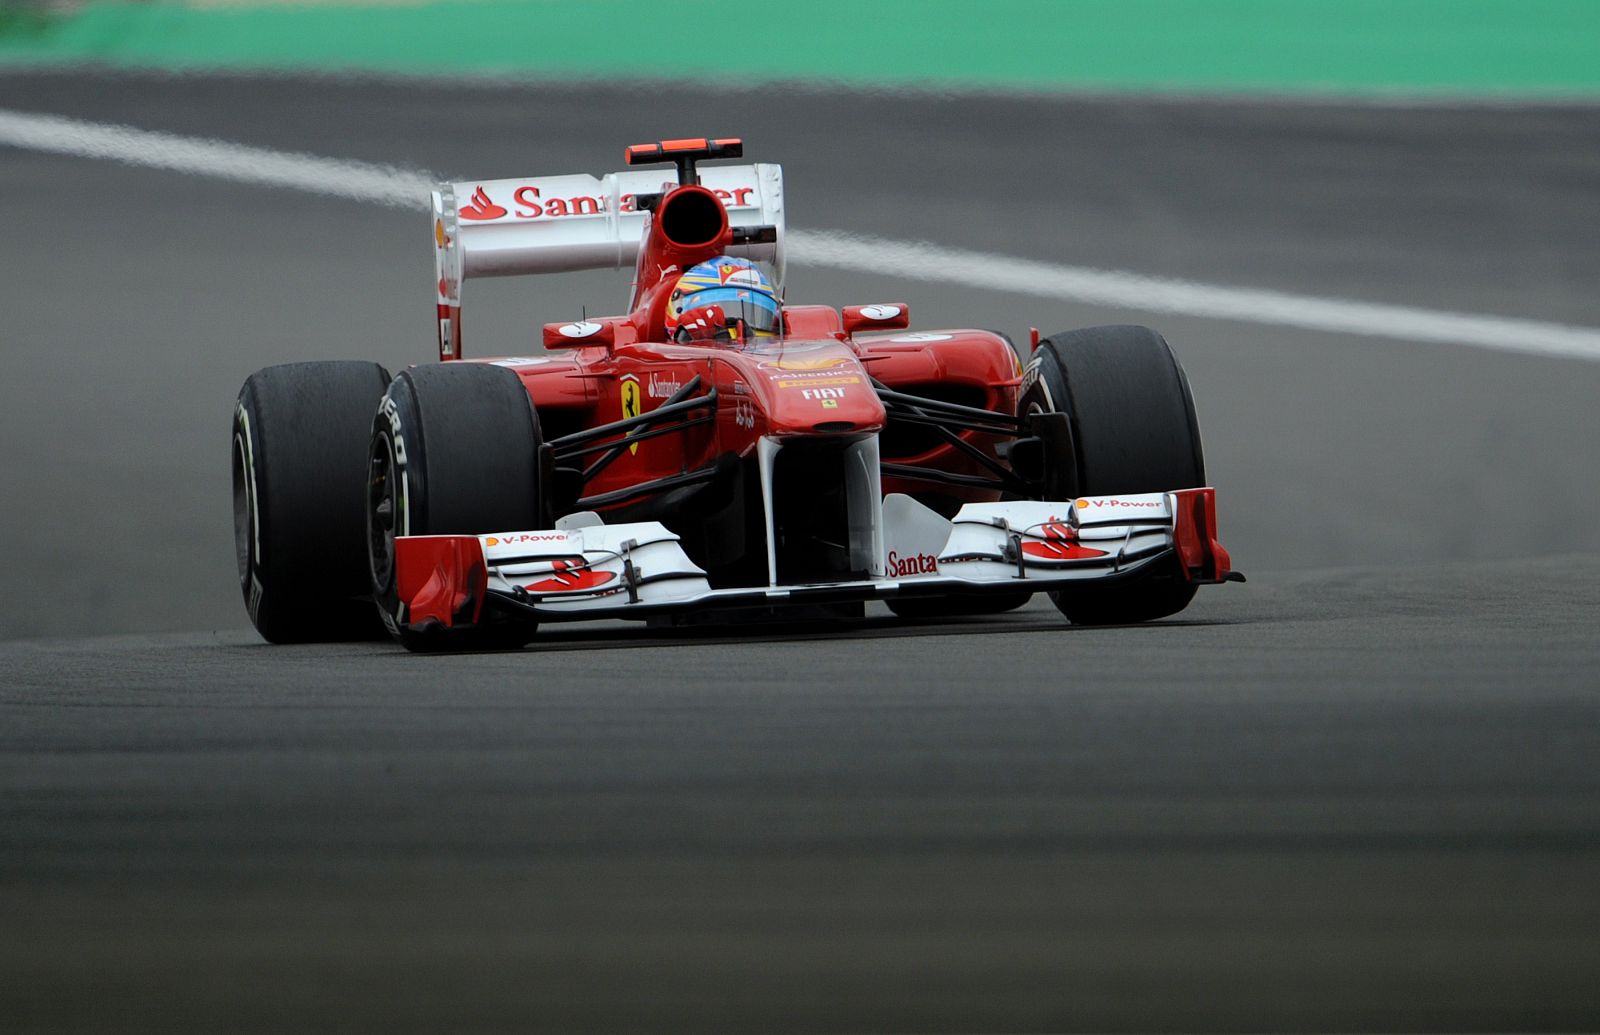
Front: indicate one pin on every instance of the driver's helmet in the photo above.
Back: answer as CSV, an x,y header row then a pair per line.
x,y
738,287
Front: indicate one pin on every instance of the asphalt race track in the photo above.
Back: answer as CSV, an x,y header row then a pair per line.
x,y
1357,793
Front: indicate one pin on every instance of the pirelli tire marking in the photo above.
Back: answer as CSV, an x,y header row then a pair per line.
x,y
244,444
401,520
397,447
241,438
1031,378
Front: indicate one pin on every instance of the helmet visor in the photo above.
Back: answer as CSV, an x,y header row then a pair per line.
x,y
757,309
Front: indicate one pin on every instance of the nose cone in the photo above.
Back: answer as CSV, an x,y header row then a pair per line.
x,y
816,389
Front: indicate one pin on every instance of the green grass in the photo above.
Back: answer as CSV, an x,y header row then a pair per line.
x,y
1450,47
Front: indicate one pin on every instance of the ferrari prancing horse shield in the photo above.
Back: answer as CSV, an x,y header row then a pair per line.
x,y
630,402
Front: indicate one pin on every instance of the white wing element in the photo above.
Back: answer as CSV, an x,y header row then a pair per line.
x,y
554,224
593,567
597,570
1076,539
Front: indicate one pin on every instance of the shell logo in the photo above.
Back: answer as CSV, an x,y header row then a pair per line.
x,y
826,363
1112,501
525,537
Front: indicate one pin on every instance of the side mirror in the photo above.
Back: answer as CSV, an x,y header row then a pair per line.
x,y
882,317
579,333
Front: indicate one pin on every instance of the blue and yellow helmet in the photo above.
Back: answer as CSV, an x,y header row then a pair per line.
x,y
738,286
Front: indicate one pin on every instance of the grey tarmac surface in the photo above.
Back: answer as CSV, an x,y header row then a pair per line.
x,y
1343,800
1357,793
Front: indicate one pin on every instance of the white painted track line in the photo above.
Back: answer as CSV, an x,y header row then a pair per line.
x,y
1125,290
356,181
402,188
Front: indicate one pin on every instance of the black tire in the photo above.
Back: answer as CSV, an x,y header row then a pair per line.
x,y
300,436
952,606
466,463
1133,430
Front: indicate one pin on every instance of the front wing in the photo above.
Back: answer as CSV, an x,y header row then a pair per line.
x,y
639,570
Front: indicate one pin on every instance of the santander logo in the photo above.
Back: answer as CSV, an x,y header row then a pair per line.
x,y
534,202
916,564
480,207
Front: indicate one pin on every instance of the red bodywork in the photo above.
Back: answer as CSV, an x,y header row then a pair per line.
x,y
816,380
779,388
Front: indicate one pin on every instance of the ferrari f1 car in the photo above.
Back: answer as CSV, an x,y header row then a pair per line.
x,y
711,451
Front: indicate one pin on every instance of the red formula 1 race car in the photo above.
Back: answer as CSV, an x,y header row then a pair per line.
x,y
712,451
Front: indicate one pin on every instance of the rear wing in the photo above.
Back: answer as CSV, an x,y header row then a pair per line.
x,y
554,224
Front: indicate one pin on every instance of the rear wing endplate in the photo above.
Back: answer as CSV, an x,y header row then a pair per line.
x,y
554,224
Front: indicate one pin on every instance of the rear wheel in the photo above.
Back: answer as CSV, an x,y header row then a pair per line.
x,y
1133,430
454,451
299,448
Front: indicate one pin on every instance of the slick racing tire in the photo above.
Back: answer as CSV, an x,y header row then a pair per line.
x,y
953,606
454,451
299,529
1133,430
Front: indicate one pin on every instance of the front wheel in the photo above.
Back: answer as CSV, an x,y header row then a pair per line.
x,y
454,451
1133,430
958,606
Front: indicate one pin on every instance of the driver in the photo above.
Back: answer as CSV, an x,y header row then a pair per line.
x,y
748,306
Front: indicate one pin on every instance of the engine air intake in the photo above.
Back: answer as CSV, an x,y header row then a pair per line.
x,y
692,217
